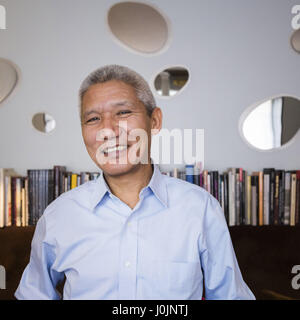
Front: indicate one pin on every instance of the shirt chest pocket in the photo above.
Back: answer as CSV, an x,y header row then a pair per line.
x,y
175,280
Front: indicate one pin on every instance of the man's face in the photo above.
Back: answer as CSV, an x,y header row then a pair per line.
x,y
111,116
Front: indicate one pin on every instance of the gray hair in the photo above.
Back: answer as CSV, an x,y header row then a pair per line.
x,y
124,74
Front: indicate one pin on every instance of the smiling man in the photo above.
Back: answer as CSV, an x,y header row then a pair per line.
x,y
133,233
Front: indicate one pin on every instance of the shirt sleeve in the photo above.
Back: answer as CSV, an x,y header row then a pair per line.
x,y
222,276
39,280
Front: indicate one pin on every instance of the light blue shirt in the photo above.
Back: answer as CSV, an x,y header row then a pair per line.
x,y
174,240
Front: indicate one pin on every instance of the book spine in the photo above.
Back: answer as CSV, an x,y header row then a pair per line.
x,y
51,186
189,173
253,202
23,202
261,198
272,193
18,202
287,198
237,198
29,175
8,201
226,197
281,196
231,194
2,222
243,196
266,198
62,171
46,200
26,203
297,210
293,198
249,200
276,199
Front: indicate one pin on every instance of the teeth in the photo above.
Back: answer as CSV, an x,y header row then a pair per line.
x,y
113,149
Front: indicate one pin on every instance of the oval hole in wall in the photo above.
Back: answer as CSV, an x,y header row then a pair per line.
x,y
273,123
8,79
138,26
43,122
170,81
295,40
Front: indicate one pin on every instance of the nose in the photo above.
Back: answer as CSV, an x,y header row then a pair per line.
x,y
109,128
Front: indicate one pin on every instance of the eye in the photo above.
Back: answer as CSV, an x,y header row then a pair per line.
x,y
92,119
123,112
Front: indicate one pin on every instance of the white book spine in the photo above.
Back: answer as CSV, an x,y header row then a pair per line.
x,y
231,195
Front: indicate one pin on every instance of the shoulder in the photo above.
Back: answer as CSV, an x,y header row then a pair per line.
x,y
69,202
183,191
184,187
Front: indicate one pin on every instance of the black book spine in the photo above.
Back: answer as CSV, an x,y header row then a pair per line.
x,y
40,192
62,171
34,196
29,175
243,197
272,193
56,181
46,189
13,201
50,186
276,198
226,211
257,198
281,196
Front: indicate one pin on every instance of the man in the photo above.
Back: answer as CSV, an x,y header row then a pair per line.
x,y
133,233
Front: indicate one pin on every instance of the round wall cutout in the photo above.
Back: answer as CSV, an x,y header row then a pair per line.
x,y
138,26
43,122
295,40
170,81
8,79
272,123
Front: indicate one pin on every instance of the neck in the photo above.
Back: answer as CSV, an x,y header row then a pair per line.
x,y
128,186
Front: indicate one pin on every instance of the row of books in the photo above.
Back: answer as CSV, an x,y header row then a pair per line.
x,y
23,199
267,197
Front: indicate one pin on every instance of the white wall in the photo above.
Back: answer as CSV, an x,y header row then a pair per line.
x,y
238,53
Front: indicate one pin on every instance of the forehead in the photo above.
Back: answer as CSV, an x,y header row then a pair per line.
x,y
109,91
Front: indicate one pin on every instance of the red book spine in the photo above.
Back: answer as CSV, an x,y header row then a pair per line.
x,y
297,214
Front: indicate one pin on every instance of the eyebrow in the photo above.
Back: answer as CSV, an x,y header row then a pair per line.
x,y
116,104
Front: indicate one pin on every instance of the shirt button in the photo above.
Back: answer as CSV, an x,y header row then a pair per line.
x,y
127,264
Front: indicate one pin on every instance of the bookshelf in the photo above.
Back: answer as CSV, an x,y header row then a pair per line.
x,y
260,198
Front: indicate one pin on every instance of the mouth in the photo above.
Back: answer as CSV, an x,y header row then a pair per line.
x,y
115,150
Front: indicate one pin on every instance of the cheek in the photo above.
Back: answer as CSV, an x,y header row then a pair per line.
x,y
89,137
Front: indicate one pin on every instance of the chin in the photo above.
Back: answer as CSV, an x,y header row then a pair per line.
x,y
116,169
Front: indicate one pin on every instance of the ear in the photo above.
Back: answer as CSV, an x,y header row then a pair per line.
x,y
156,120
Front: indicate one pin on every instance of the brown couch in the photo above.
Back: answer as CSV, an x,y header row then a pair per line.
x,y
265,254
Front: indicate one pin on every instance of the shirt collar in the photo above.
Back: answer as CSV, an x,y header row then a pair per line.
x,y
157,184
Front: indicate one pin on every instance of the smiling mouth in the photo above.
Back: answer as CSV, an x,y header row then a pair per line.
x,y
115,149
